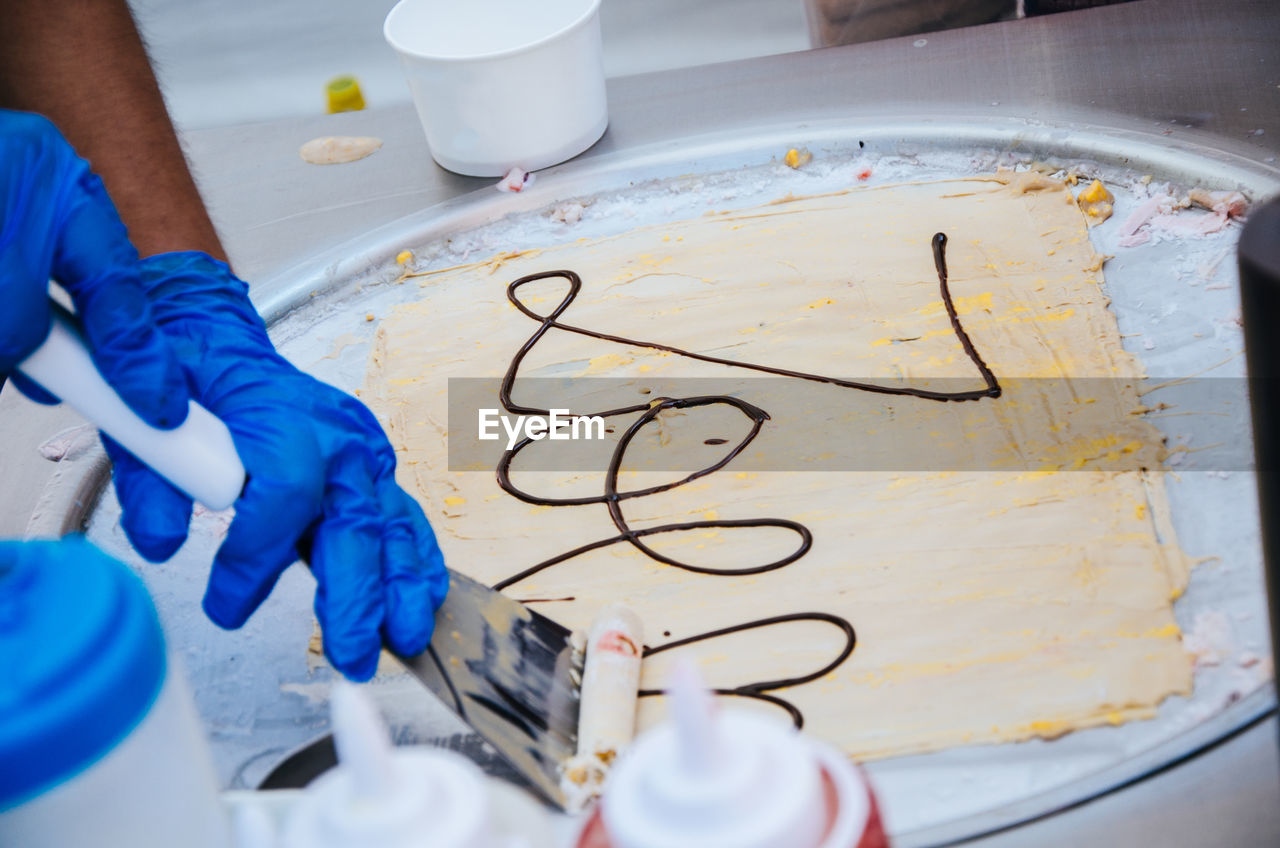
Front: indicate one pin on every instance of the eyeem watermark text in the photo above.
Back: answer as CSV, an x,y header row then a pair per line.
x,y
559,425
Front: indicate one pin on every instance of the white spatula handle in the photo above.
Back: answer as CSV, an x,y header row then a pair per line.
x,y
197,457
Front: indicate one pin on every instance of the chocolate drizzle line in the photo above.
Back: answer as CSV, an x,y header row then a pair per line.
x,y
759,691
991,388
612,498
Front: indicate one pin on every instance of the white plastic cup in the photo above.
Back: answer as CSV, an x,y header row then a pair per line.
x,y
501,84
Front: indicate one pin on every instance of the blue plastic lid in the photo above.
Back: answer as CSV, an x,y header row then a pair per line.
x,y
82,659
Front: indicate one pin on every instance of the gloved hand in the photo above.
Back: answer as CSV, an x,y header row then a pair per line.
x,y
57,222
321,477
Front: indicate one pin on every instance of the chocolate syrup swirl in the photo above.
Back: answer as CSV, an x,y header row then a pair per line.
x,y
760,691
991,387
613,499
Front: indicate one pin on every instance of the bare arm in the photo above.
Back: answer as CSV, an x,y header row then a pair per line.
x,y
81,63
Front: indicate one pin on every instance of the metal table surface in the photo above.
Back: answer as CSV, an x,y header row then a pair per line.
x,y
1201,73
1196,71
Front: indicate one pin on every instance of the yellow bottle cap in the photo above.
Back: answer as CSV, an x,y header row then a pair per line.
x,y
344,94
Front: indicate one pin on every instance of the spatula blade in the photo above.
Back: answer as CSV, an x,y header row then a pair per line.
x,y
506,671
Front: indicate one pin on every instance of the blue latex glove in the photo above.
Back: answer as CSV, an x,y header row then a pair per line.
x,y
321,478
56,222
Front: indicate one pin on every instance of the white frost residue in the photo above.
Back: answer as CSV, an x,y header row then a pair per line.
x,y
1210,638
69,443
1164,216
516,180
213,524
315,693
568,213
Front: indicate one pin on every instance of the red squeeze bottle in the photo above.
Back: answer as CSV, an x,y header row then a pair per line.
x,y
731,778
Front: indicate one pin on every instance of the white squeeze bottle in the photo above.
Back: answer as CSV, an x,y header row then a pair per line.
x,y
382,797
731,778
100,744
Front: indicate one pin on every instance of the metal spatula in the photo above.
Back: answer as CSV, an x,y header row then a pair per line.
x,y
503,668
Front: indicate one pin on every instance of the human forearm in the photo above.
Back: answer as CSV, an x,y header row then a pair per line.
x,y
81,63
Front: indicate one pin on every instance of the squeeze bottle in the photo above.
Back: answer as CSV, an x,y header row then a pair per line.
x,y
100,744
731,778
381,797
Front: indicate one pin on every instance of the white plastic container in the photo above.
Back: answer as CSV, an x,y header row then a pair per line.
x,y
500,84
100,744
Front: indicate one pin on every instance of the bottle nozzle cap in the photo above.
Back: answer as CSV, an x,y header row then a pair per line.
x,y
693,709
378,795
361,741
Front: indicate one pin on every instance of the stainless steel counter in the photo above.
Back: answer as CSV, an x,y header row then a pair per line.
x,y
1202,74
